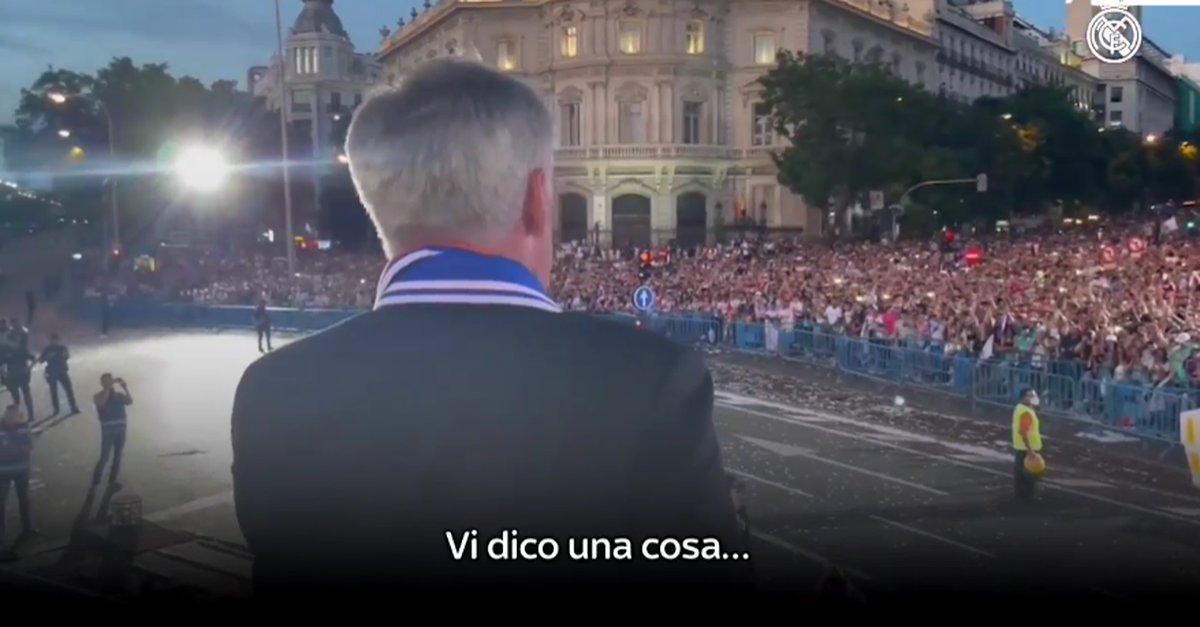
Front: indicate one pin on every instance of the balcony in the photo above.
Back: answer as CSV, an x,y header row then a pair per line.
x,y
895,13
646,152
642,152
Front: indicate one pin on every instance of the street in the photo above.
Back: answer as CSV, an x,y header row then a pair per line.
x,y
890,505
900,508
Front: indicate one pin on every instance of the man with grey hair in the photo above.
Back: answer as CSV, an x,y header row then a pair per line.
x,y
466,430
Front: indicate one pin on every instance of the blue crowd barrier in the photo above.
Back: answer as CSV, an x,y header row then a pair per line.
x,y
1064,389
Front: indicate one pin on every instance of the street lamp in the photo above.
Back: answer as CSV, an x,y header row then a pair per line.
x,y
64,133
283,131
60,98
202,169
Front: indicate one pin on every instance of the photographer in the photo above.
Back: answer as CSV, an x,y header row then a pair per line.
x,y
110,408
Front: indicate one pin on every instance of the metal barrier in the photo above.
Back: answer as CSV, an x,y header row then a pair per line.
x,y
1064,389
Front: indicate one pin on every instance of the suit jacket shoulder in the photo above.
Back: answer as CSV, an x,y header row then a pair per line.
x,y
486,418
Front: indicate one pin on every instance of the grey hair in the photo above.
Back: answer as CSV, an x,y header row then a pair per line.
x,y
449,153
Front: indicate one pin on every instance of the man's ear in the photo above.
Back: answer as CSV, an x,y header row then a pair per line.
x,y
535,213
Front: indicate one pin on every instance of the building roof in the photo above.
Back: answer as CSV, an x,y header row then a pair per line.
x,y
317,16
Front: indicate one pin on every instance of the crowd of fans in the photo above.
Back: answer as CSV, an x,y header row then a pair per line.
x,y
1108,299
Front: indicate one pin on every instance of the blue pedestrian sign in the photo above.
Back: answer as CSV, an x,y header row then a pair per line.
x,y
643,298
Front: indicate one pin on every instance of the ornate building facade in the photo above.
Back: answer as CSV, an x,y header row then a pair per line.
x,y
324,78
661,130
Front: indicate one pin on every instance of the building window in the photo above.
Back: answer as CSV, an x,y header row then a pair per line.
x,y
1114,118
764,48
763,133
570,41
335,101
1117,94
630,39
693,116
302,100
568,119
506,55
695,37
630,127
357,99
326,59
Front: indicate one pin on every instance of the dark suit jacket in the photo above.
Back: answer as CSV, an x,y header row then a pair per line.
x,y
357,450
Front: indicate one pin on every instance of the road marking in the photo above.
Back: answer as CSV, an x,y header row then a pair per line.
x,y
191,507
774,484
871,473
793,452
737,401
805,553
933,536
36,485
895,437
1079,482
779,448
972,457
1194,512
1093,497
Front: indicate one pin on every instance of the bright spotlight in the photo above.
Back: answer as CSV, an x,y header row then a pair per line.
x,y
64,133
202,169
57,98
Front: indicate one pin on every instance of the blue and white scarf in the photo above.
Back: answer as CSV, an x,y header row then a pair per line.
x,y
460,277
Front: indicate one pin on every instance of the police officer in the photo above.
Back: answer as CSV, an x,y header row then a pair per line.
x,y
16,446
1026,441
110,408
17,370
262,324
55,356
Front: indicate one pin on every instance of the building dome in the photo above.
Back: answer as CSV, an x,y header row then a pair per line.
x,y
317,16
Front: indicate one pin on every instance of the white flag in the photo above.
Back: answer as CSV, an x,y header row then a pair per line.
x,y
989,347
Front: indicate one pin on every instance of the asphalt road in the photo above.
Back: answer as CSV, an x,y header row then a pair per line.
x,y
840,480
177,456
899,508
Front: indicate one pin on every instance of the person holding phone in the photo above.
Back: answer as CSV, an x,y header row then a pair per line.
x,y
110,408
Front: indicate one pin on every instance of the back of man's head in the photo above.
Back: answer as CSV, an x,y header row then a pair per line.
x,y
460,153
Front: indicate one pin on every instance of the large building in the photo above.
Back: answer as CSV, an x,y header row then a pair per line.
x,y
1138,94
323,78
1187,107
661,129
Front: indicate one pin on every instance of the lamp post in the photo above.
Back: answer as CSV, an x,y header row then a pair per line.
x,y
283,132
60,98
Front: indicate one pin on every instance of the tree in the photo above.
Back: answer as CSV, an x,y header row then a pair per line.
x,y
152,115
850,127
845,127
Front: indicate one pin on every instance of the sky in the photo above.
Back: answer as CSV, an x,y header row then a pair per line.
x,y
221,39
